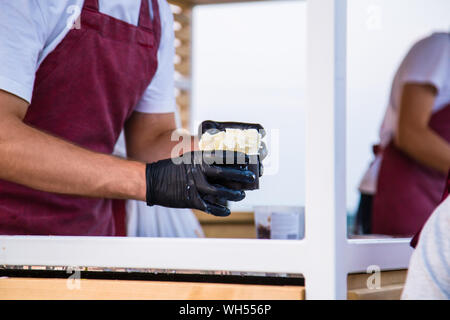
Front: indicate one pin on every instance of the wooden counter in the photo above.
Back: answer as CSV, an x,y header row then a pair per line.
x,y
391,286
59,289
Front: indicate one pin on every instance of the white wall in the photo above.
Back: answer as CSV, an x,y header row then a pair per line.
x,y
380,32
249,65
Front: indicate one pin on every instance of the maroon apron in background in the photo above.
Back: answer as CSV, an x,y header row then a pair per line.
x,y
84,91
408,192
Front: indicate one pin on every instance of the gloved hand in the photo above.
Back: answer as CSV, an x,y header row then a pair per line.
x,y
215,126
190,181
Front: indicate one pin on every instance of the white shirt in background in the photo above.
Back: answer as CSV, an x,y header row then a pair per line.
x,y
31,29
429,268
427,62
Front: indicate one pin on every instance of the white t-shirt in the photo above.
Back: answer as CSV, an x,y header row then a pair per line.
x,y
31,29
429,268
427,62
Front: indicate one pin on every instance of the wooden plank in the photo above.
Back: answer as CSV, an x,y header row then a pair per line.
x,y
183,98
234,217
391,286
391,292
184,51
185,4
184,34
184,67
184,17
359,281
89,289
229,231
238,225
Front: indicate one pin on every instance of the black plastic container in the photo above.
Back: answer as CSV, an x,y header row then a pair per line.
x,y
249,162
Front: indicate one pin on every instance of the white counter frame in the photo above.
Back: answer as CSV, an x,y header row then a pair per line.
x,y
324,257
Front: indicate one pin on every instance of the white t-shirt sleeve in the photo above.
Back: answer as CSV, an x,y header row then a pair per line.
x,y
22,37
427,61
429,269
160,94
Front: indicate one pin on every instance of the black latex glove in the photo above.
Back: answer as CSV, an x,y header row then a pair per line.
x,y
190,181
215,126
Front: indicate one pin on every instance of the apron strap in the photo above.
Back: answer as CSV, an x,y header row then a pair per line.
x,y
146,22
144,16
91,4
156,21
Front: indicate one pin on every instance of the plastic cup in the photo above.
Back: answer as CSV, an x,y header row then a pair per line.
x,y
280,222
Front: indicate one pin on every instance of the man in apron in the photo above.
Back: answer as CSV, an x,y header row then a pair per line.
x,y
404,184
67,91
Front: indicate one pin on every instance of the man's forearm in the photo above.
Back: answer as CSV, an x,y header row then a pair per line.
x,y
164,146
44,162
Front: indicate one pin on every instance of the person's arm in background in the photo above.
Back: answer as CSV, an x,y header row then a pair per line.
x,y
41,161
413,135
422,76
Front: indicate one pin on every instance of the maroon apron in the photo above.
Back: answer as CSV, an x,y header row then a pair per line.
x,y
84,91
407,191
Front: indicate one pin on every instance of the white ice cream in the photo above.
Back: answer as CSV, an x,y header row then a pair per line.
x,y
247,141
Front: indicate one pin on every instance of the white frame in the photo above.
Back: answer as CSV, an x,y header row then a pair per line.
x,y
324,257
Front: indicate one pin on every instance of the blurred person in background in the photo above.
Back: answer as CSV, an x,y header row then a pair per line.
x,y
404,183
